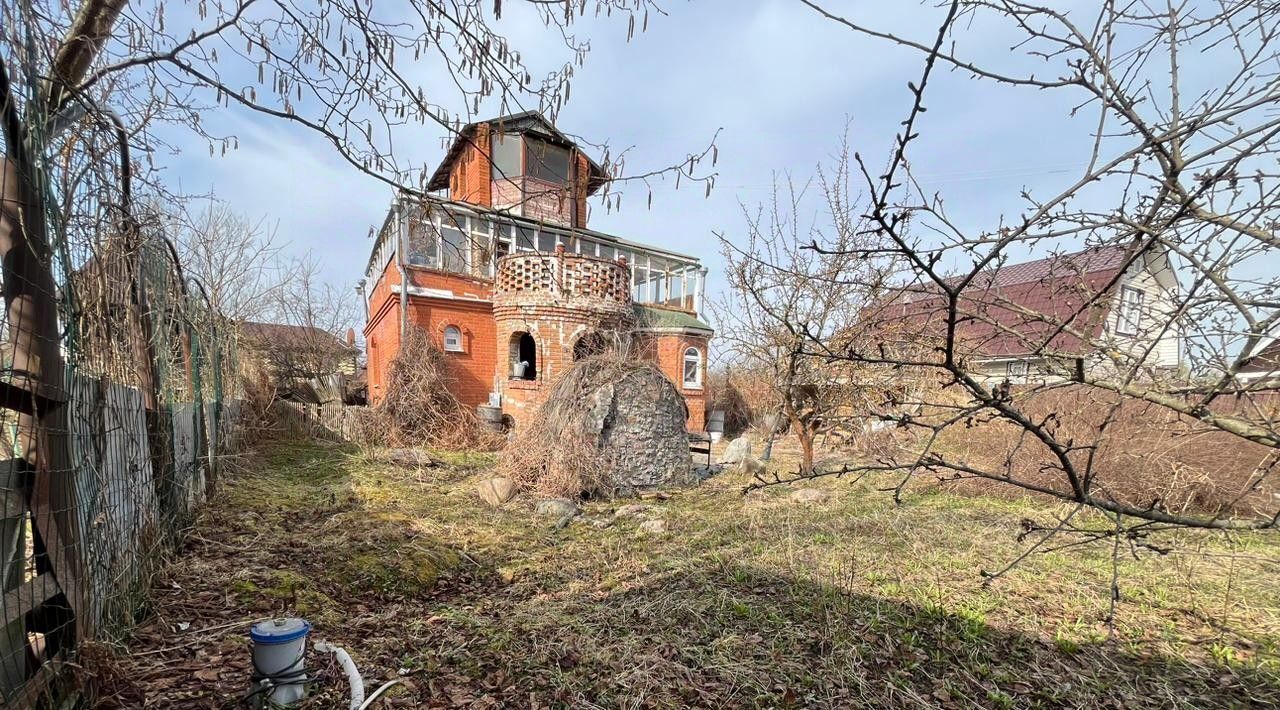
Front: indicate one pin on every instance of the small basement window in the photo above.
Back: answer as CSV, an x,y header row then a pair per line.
x,y
692,368
452,339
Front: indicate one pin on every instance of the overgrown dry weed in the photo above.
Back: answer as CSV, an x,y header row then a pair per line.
x,y
744,602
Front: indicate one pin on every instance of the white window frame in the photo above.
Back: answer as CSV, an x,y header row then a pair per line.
x,y
1016,368
457,345
1129,314
696,382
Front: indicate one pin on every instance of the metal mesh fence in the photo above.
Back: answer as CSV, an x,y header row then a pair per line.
x,y
117,396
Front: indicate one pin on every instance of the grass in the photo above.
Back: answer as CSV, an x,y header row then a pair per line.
x,y
745,601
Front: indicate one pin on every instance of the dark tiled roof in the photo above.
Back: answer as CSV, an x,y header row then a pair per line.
x,y
1020,309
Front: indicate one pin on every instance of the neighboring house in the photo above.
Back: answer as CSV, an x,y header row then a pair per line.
x,y
308,364
1263,369
1045,319
506,278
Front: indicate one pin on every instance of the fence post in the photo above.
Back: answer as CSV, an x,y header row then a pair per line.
x,y
36,387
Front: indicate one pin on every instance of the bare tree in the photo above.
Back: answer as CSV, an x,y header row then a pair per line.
x,y
789,308
1178,183
236,259
310,320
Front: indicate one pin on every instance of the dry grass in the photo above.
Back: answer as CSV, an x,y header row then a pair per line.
x,y
746,602
1145,453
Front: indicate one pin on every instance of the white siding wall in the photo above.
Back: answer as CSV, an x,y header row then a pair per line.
x,y
1158,307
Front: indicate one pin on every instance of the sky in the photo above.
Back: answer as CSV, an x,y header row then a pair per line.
x,y
779,82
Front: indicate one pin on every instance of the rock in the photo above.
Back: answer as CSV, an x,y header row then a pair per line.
x,y
556,507
507,575
496,491
653,527
737,450
634,510
600,523
751,465
810,496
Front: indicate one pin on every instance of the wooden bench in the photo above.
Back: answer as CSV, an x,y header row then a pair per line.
x,y
700,444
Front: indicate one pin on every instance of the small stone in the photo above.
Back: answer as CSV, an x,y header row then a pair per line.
x,y
810,496
601,523
751,466
556,507
653,527
496,491
633,510
507,575
737,450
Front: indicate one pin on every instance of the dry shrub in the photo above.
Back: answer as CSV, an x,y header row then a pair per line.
x,y
1145,454
557,452
419,407
723,394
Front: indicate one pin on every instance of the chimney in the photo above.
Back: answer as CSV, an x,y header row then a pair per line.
x,y
351,337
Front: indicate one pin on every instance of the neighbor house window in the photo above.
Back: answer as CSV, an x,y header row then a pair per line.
x,y
692,368
452,339
546,161
1130,310
1016,368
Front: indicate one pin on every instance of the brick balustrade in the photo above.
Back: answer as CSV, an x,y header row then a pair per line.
x,y
562,279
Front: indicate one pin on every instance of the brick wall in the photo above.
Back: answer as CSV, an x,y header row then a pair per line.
x,y
471,180
580,189
555,330
668,351
471,369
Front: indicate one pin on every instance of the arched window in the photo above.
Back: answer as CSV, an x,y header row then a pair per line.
x,y
692,368
524,357
452,339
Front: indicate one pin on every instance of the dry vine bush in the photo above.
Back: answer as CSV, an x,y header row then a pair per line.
x,y
419,408
1146,454
555,453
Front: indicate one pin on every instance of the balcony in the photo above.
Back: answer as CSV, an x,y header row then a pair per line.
x,y
564,280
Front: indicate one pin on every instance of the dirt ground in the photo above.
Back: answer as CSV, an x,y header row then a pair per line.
x,y
744,601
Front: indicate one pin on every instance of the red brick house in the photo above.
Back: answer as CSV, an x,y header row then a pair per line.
x,y
500,269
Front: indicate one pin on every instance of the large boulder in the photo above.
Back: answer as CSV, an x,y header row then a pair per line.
x,y
609,426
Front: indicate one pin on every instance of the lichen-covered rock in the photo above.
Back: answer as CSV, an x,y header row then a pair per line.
x,y
556,508
496,491
653,527
737,450
810,496
609,426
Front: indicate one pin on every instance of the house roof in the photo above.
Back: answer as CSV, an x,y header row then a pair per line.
x,y
524,122
1267,360
1055,305
296,336
652,317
